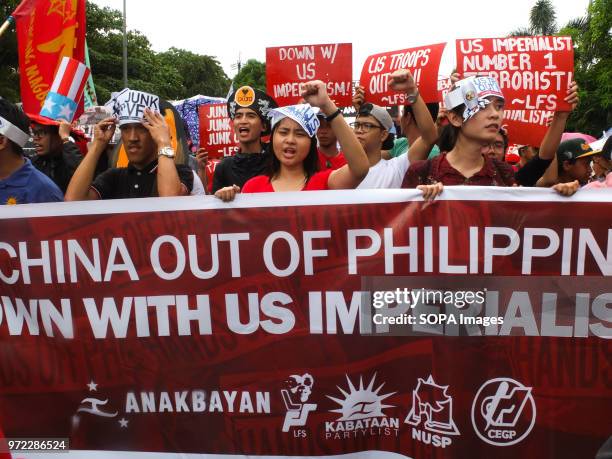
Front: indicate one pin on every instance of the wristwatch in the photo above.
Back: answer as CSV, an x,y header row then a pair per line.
x,y
166,151
411,98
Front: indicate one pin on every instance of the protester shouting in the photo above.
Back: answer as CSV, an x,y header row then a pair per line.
x,y
294,160
248,109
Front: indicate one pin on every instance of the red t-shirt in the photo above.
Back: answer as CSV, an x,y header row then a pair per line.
x,y
331,163
261,183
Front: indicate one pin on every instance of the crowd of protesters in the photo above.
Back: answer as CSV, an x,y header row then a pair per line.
x,y
311,147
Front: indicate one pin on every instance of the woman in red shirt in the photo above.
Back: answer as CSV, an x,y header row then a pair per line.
x,y
294,158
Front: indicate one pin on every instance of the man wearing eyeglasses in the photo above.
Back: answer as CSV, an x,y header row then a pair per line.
x,y
375,131
57,156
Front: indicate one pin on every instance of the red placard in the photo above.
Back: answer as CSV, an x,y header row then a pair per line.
x,y
216,131
444,85
423,62
526,127
533,72
288,66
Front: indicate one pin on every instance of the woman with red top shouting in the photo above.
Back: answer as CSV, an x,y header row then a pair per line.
x,y
293,164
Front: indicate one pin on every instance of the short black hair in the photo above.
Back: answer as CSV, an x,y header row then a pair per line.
x,y
434,109
17,117
311,162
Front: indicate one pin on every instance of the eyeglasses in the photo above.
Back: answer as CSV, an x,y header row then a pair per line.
x,y
365,127
39,132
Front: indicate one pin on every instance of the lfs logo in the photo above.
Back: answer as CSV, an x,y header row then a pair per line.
x,y
503,412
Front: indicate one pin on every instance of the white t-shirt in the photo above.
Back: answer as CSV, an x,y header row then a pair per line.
x,y
198,187
387,173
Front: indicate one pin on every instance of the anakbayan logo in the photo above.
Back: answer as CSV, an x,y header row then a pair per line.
x,y
361,412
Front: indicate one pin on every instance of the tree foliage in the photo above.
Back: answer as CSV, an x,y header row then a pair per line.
x,y
592,60
253,74
9,76
173,74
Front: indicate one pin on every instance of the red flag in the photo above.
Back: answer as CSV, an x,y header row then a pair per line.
x,y
47,30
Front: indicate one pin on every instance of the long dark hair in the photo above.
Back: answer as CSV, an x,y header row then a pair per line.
x,y
450,133
311,162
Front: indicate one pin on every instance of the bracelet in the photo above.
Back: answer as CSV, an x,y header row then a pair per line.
x,y
333,115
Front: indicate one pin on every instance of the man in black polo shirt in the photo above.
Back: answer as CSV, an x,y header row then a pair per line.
x,y
151,170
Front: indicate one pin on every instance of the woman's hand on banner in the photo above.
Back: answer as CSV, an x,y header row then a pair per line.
x,y
227,193
431,192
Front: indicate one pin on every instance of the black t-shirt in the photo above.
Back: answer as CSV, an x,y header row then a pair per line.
x,y
129,182
60,167
237,169
531,172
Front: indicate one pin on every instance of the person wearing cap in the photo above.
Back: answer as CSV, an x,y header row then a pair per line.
x,y
574,161
602,162
294,161
20,181
151,170
329,156
248,109
373,127
57,155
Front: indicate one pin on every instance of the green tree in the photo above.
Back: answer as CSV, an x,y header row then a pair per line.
x,y
593,68
592,60
200,74
541,20
253,73
9,66
174,74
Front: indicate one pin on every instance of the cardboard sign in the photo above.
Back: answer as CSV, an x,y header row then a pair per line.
x,y
527,127
533,72
129,105
288,66
423,62
216,131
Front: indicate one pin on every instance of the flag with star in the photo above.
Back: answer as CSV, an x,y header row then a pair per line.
x,y
67,90
47,31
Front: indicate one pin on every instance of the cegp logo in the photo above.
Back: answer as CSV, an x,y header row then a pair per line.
x,y
503,412
432,414
295,395
245,96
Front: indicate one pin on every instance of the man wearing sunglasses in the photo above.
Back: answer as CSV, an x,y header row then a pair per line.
x,y
375,131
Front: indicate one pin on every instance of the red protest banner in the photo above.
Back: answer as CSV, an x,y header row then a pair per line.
x,y
308,331
47,30
533,72
288,66
423,62
526,127
216,131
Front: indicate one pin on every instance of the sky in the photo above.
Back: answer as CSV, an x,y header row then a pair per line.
x,y
238,29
